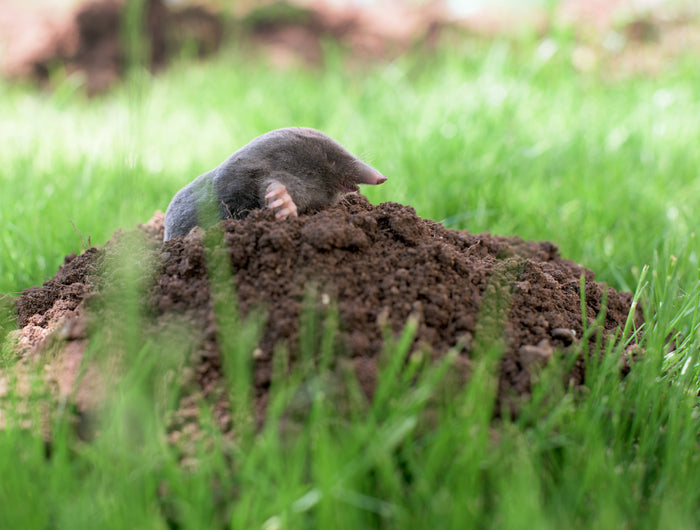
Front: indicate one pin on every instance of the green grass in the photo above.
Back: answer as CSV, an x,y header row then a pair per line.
x,y
482,137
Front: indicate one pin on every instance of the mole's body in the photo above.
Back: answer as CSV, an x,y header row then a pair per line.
x,y
289,170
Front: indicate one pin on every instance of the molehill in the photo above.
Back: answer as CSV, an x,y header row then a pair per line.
x,y
380,264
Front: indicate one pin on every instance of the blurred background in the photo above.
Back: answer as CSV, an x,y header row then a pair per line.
x,y
97,39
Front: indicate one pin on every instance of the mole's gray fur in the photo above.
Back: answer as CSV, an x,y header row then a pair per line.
x,y
315,170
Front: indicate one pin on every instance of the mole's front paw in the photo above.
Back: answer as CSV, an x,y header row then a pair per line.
x,y
277,197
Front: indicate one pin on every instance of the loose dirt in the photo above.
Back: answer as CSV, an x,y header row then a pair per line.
x,y
379,264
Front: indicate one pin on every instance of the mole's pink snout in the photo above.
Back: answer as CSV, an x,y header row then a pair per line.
x,y
371,176
380,178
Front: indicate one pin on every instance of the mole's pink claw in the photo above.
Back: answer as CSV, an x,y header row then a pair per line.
x,y
284,213
277,198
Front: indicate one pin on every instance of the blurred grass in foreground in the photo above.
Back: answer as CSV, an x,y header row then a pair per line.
x,y
423,454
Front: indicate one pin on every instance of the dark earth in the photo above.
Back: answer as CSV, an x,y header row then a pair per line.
x,y
382,264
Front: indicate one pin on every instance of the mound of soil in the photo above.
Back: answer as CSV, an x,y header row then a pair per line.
x,y
382,264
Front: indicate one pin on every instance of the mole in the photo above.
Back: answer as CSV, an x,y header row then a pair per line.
x,y
291,171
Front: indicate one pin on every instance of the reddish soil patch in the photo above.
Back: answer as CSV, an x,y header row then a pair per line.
x,y
381,263
89,39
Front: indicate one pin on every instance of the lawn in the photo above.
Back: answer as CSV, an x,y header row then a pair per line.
x,y
496,137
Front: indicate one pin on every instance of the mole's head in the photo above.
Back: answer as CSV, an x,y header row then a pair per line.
x,y
326,166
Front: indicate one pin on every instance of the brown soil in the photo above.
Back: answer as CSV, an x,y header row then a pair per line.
x,y
382,264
